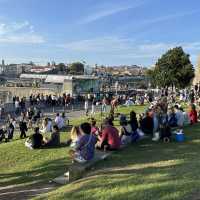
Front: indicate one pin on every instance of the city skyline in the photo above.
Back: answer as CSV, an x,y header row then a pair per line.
x,y
110,32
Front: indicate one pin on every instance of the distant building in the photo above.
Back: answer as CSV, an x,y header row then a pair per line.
x,y
41,69
12,70
3,63
65,84
123,70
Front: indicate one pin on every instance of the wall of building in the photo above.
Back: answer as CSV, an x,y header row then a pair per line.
x,y
26,91
197,73
68,87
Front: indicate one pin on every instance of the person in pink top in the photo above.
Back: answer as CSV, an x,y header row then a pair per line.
x,y
193,114
94,128
109,139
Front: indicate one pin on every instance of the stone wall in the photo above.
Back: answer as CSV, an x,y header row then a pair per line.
x,y
26,91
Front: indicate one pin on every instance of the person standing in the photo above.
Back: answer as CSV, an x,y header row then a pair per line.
x,y
17,106
93,106
23,128
104,105
86,106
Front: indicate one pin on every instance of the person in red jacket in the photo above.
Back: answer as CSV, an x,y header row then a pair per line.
x,y
193,114
109,139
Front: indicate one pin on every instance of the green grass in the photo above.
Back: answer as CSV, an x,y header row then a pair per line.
x,y
21,166
143,171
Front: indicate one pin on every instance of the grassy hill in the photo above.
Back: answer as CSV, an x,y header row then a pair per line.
x,y
145,170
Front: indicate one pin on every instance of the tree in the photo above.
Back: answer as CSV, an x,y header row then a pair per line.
x,y
62,67
76,68
172,69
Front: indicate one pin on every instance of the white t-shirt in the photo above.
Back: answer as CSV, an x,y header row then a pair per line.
x,y
59,122
16,104
48,128
180,118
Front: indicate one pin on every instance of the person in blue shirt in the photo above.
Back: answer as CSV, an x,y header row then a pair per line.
x,y
85,149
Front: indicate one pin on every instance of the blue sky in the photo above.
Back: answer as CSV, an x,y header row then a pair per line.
x,y
110,32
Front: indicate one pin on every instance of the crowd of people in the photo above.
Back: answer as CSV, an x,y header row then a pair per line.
x,y
156,123
164,113
29,120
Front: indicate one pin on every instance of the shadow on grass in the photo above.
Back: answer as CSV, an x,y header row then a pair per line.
x,y
31,182
43,173
147,170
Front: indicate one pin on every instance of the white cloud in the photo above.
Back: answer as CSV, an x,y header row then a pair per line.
x,y
22,39
22,32
168,17
104,44
125,48
108,10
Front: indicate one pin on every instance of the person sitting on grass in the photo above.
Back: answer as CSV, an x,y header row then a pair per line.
x,y
46,126
2,133
133,121
55,138
85,149
172,120
186,118
193,114
109,138
75,136
59,121
65,119
179,116
94,128
35,141
125,131
11,129
147,124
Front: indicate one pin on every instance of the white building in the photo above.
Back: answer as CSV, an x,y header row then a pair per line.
x,y
66,84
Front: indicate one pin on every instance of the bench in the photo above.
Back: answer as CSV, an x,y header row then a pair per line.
x,y
77,170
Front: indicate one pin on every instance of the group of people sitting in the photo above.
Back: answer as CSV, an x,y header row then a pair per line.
x,y
28,120
61,121
88,136
37,140
157,121
7,131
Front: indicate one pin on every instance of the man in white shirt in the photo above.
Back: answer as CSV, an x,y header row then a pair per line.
x,y
59,121
179,116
